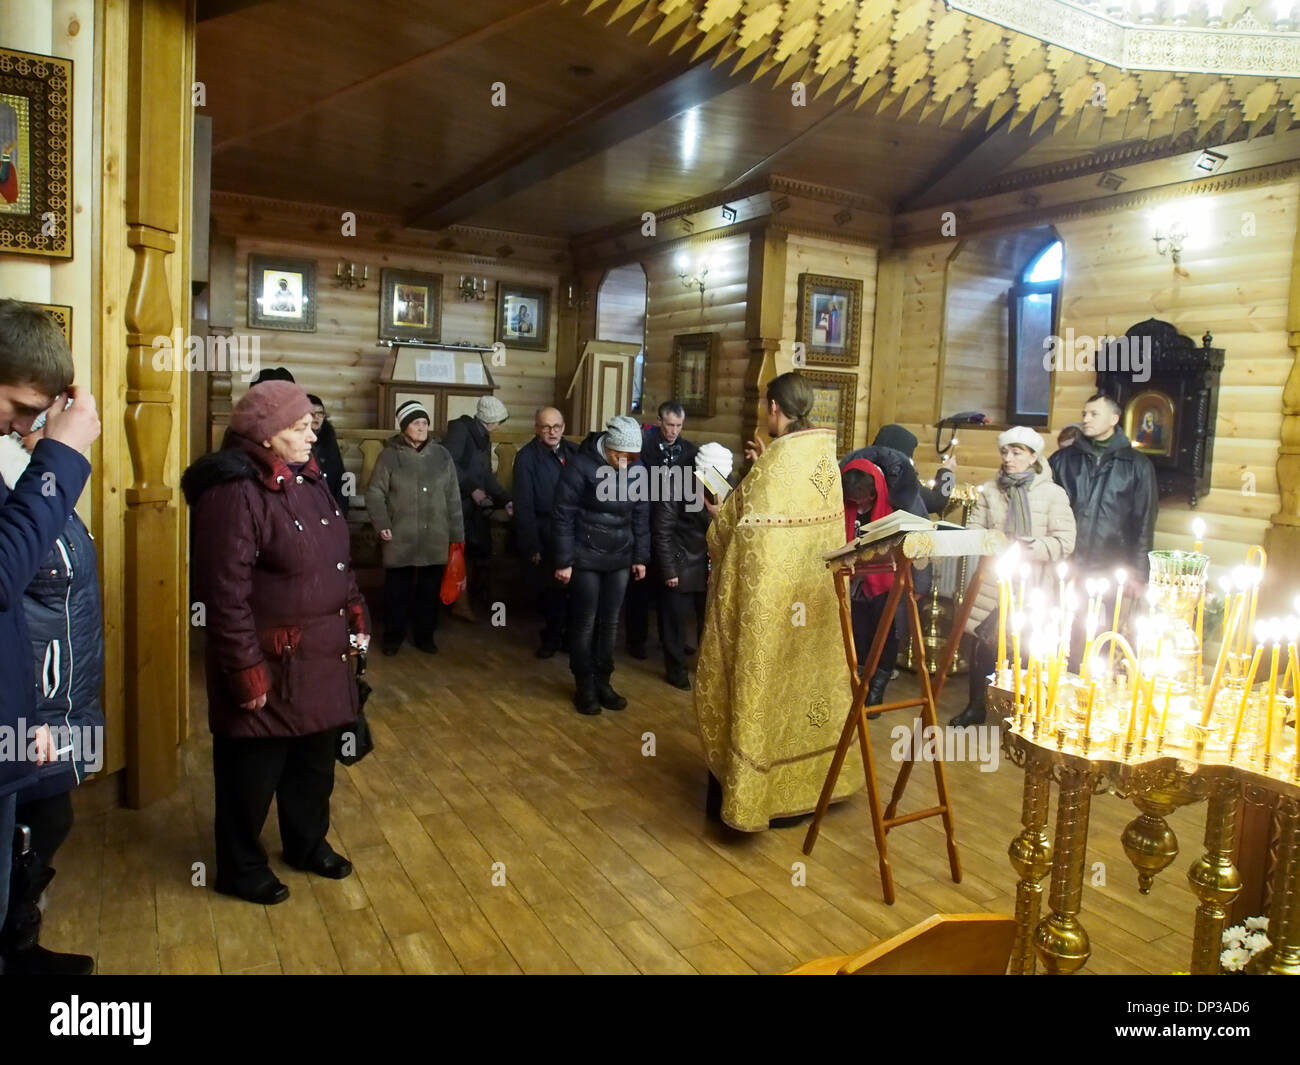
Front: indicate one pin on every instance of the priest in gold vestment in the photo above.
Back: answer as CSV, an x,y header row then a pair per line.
x,y
772,689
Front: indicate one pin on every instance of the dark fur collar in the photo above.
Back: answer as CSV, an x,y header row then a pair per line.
x,y
239,460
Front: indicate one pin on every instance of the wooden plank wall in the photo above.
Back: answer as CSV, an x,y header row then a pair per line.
x,y
1236,286
815,255
341,361
975,326
672,309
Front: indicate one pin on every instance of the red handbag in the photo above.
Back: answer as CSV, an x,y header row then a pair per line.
x,y
453,577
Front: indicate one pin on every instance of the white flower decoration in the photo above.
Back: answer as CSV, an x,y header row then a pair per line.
x,y
1257,941
1257,924
1234,936
1234,960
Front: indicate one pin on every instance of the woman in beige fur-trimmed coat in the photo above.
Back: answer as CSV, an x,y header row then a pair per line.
x,y
1029,507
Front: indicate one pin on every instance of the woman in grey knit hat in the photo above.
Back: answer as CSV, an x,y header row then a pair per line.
x,y
602,534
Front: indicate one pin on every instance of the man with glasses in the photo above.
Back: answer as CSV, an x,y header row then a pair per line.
x,y
537,471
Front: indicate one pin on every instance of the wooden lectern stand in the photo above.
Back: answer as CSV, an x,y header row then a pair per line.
x,y
896,554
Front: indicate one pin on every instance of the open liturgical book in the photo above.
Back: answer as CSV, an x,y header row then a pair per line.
x,y
900,521
714,483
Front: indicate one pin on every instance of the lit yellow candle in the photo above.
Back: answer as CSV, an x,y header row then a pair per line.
x,y
1245,699
1002,625
1120,577
1015,662
1254,601
1292,670
1164,714
1136,683
1200,631
1147,707
1198,531
1275,636
1087,714
1217,678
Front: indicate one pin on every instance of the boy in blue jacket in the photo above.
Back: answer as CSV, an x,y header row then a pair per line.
x,y
35,379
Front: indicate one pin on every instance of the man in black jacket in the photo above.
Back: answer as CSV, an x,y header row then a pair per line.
x,y
661,445
537,471
934,495
469,439
1112,490
35,377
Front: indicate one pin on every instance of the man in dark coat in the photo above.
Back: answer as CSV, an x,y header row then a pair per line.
x,y
662,445
66,625
679,531
469,439
1112,490
281,609
538,467
934,496
35,379
602,536
328,455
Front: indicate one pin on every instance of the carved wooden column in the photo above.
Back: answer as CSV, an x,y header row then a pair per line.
x,y
764,307
159,76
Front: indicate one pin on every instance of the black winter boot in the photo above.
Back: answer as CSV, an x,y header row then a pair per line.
x,y
585,699
876,690
609,698
21,953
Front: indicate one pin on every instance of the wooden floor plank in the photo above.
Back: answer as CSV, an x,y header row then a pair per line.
x,y
610,864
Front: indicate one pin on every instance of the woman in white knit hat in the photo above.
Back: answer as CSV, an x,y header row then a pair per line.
x,y
469,439
602,537
1032,509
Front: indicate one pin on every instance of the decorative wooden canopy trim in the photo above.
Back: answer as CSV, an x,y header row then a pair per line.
x,y
898,54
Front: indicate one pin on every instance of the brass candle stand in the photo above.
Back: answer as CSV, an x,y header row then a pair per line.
x,y
938,615
1156,726
1157,787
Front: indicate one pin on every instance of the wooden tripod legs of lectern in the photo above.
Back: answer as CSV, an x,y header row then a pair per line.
x,y
882,822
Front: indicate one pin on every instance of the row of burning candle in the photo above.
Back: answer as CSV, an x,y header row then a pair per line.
x,y
1048,647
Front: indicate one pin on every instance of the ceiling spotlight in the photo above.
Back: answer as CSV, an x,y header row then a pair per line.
x,y
1208,162
728,214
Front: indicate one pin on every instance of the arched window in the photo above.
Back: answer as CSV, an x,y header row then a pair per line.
x,y
1033,313
1000,304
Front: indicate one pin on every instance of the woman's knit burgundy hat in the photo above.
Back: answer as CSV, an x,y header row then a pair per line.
x,y
271,407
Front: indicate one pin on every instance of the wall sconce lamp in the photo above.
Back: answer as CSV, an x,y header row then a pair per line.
x,y
1169,239
577,300
346,275
696,279
472,288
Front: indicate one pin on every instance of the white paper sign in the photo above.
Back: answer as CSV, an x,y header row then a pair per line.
x,y
474,373
436,366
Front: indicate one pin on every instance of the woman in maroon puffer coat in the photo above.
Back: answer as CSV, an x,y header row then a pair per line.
x,y
271,570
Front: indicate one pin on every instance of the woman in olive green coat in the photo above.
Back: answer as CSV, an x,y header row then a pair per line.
x,y
414,504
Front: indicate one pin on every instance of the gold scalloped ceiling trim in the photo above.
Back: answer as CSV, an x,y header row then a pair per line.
x,y
903,52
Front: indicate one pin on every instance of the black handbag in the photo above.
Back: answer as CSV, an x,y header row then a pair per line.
x,y
355,740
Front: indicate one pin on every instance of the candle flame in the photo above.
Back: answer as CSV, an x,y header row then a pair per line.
x,y
1120,578
1198,528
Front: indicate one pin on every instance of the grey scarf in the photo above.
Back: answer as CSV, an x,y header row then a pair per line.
x,y
1016,486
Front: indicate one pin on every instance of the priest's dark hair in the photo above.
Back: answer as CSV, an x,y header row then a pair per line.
x,y
794,395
